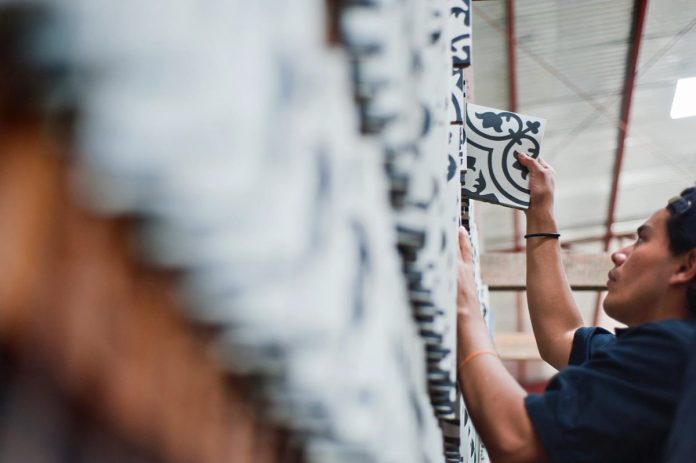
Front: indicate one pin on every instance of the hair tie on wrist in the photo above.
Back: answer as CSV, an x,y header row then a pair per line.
x,y
542,235
471,357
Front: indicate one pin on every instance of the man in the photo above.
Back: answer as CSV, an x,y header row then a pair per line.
x,y
615,397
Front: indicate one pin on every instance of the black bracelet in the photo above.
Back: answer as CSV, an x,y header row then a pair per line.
x,y
544,235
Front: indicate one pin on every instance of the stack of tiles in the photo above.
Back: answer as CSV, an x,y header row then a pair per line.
x,y
473,450
400,85
256,178
260,173
408,61
458,429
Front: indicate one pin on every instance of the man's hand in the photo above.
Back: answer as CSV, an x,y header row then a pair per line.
x,y
467,295
541,185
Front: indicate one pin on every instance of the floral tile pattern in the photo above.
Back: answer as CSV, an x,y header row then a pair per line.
x,y
493,137
460,26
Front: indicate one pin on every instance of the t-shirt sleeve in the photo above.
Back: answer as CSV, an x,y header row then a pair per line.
x,y
610,404
587,341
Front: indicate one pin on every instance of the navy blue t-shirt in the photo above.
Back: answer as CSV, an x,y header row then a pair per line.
x,y
616,400
681,445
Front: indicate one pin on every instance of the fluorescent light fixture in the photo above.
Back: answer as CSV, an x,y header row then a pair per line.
x,y
684,103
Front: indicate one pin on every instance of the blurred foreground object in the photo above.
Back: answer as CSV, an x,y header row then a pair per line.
x,y
259,191
97,363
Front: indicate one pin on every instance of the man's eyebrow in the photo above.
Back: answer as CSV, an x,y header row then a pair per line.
x,y
643,228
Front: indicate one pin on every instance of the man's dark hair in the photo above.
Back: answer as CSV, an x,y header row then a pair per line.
x,y
681,230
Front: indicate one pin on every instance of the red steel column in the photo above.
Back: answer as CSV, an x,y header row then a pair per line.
x,y
516,219
639,9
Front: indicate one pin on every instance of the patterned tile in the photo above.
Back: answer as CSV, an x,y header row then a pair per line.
x,y
458,100
493,173
455,141
482,453
469,438
460,32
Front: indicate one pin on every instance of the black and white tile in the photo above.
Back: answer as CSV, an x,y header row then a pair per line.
x,y
493,137
457,107
460,32
334,347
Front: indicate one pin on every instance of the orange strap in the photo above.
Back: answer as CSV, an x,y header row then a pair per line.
x,y
473,355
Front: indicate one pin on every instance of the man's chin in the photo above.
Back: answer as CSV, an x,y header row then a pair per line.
x,y
610,307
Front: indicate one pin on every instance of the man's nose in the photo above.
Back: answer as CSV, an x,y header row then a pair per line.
x,y
619,257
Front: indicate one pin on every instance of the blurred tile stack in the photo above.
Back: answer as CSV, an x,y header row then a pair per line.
x,y
245,244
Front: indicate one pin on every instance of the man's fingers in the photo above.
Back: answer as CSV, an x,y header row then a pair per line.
x,y
530,162
527,161
464,243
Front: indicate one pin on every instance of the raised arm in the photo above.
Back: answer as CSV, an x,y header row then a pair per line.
x,y
552,309
494,399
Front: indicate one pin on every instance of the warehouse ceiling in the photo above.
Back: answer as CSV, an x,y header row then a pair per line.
x,y
570,66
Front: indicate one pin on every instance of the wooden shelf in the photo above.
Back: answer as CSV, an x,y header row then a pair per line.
x,y
507,271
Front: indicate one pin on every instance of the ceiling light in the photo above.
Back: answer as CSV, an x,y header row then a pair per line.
x,y
684,103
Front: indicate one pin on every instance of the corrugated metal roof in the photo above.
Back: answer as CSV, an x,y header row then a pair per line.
x,y
571,64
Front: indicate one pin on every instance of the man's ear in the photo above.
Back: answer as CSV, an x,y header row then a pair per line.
x,y
686,272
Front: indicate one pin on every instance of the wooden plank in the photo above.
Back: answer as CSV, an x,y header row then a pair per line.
x,y
507,271
516,346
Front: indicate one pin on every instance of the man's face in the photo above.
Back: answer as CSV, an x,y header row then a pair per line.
x,y
641,274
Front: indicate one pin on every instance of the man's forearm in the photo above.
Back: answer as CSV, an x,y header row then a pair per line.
x,y
552,309
493,398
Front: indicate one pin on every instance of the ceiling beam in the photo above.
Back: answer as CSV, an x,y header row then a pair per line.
x,y
639,11
638,21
